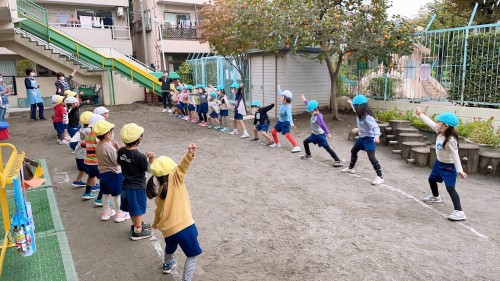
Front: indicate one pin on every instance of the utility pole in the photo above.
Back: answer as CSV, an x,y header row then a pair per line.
x,y
162,50
144,37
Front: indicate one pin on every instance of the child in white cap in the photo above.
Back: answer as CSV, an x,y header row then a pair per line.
x,y
101,110
285,121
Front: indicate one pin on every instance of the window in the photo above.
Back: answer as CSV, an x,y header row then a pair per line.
x,y
42,71
176,18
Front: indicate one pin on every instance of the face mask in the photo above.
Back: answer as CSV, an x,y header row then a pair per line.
x,y
61,78
32,74
234,91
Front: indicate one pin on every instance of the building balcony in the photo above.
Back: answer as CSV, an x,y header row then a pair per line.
x,y
180,32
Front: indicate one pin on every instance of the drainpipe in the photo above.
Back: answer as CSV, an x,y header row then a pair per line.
x,y
111,87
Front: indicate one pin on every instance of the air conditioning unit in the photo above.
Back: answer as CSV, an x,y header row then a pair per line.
x,y
120,12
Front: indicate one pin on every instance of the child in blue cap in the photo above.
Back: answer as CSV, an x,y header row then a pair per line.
x,y
202,108
447,164
262,119
224,107
369,134
214,111
319,132
239,110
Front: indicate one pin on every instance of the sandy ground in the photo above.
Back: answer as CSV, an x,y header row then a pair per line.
x,y
264,214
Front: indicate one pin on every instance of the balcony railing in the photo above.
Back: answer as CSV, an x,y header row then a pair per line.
x,y
181,32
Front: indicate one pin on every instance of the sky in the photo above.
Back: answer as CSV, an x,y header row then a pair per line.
x,y
407,8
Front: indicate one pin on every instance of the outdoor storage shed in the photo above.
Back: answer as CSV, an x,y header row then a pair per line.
x,y
301,75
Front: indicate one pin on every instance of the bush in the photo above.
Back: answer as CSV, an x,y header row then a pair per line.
x,y
376,87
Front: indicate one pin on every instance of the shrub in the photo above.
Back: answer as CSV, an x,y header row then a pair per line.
x,y
376,87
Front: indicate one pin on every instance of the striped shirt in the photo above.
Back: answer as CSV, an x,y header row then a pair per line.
x,y
90,145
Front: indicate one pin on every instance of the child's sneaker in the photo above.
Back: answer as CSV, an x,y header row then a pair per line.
x,y
88,196
234,132
204,124
349,171
245,135
378,181
168,266
186,118
270,143
217,128
457,216
224,130
64,142
296,149
98,202
255,139
107,214
210,126
78,184
122,216
305,157
145,233
338,164
274,145
432,199
96,187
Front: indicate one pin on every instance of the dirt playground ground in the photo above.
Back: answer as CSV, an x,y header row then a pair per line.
x,y
265,214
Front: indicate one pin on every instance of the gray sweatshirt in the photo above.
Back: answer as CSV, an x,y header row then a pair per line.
x,y
368,127
448,155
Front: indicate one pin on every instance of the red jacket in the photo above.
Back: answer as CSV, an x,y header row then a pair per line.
x,y
59,113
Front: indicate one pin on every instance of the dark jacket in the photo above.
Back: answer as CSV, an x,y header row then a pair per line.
x,y
62,87
261,115
165,83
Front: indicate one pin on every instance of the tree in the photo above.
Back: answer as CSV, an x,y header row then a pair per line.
x,y
342,30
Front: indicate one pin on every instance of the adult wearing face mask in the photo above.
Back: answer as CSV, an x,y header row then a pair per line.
x,y
165,92
62,83
33,94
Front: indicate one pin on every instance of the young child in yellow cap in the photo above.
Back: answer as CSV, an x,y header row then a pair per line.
x,y
173,215
110,172
60,118
80,151
134,167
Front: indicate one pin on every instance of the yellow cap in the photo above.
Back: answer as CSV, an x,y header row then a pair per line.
x,y
59,99
102,127
69,93
85,117
162,166
131,132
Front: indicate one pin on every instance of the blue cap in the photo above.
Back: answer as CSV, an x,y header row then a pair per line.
x,y
235,85
359,99
448,118
189,87
220,87
256,103
213,95
200,86
179,88
312,105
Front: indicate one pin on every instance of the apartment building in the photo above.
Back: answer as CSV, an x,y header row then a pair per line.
x,y
172,32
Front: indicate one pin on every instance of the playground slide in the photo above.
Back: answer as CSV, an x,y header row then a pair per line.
x,y
36,24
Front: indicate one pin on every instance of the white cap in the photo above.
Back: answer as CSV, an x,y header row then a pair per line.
x,y
94,119
70,100
287,94
101,110
54,98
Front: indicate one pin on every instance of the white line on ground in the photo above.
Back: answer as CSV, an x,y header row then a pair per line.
x,y
158,248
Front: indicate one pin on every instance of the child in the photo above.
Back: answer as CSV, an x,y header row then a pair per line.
x,y
134,167
214,111
90,143
73,115
175,99
173,215
101,110
447,164
319,132
224,108
110,172
194,102
239,110
80,150
60,118
285,121
263,120
4,99
369,134
203,105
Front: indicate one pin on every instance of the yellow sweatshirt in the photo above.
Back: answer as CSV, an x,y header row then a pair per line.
x,y
174,213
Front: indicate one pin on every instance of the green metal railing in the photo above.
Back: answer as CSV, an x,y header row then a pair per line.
x,y
37,24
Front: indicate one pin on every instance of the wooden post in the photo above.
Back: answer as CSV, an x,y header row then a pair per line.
x,y
405,131
421,155
404,137
489,163
383,132
407,146
394,124
432,157
469,156
353,134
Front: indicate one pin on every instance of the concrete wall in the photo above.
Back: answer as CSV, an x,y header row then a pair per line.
x,y
99,38
125,92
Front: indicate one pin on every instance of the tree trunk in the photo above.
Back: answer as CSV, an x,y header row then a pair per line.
x,y
333,71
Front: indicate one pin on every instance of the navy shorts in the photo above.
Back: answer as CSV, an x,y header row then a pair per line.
x,y
444,172
59,127
191,107
187,239
203,108
282,127
81,166
72,130
366,144
73,145
111,183
134,201
179,105
93,171
214,115
198,108
224,112
238,116
262,127
320,140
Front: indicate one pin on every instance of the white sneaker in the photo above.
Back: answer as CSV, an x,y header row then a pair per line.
x,y
432,199
245,135
349,171
457,216
234,132
164,110
107,214
378,181
274,145
296,149
170,111
64,142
